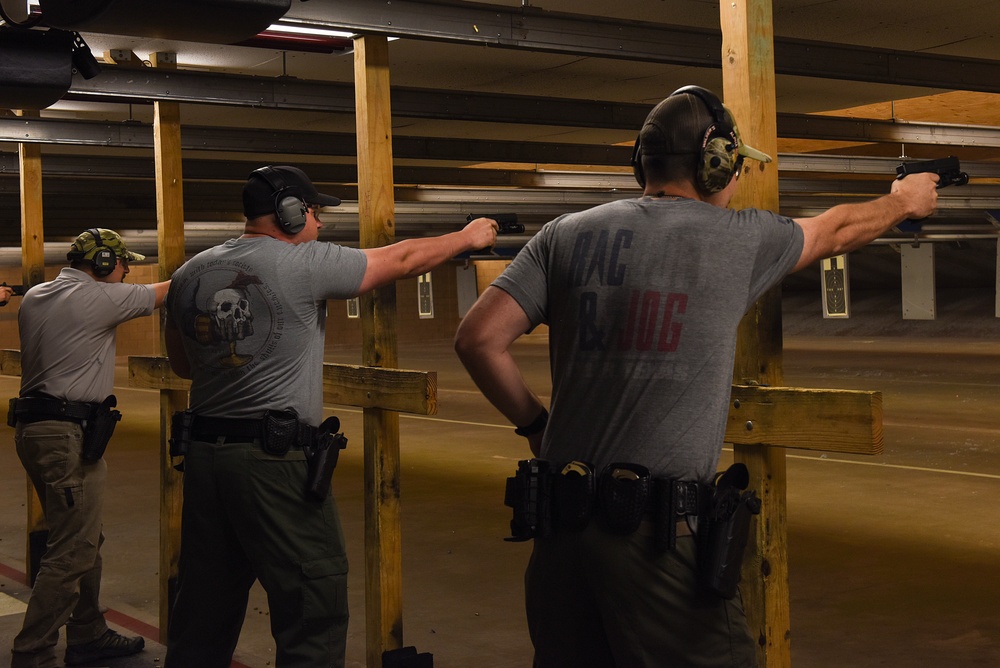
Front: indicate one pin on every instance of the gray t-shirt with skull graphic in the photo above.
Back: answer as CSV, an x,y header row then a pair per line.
x,y
252,313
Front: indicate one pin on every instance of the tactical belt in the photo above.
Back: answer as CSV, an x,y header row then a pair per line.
x,y
213,428
548,499
36,409
208,429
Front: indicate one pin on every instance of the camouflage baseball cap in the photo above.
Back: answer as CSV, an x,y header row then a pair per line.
x,y
86,245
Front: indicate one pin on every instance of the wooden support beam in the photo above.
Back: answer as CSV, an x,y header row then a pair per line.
x,y
376,213
32,273
170,255
32,229
749,91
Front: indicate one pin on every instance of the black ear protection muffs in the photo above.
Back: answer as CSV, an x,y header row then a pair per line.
x,y
104,260
288,207
718,161
640,175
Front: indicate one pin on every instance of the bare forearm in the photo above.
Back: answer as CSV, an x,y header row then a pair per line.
x,y
418,256
847,227
500,380
850,226
483,344
412,257
160,290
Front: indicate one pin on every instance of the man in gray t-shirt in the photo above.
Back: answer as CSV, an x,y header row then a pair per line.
x,y
246,323
67,329
643,298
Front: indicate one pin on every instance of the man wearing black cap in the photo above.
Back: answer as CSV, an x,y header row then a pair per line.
x,y
643,298
67,329
246,323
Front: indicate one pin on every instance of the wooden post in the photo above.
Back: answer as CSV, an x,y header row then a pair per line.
x,y
32,273
376,212
170,254
748,82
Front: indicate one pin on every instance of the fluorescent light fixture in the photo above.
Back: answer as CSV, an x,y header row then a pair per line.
x,y
302,29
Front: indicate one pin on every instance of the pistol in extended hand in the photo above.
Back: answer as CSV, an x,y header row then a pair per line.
x,y
948,169
18,291
507,222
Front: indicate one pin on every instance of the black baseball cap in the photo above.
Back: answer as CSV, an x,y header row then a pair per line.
x,y
263,184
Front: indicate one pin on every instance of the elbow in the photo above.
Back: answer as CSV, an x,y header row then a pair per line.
x,y
469,342
462,342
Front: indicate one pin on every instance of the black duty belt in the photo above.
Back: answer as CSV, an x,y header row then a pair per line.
x,y
208,429
211,428
36,409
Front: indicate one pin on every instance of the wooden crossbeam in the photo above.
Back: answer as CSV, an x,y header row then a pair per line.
x,y
847,421
10,362
398,390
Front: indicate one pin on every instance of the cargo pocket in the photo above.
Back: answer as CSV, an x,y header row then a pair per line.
x,y
324,589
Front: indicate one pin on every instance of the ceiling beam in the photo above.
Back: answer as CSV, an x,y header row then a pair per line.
x,y
248,140
535,29
116,83
309,95
244,140
838,128
211,169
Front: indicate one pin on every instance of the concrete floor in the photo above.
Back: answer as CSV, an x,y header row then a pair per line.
x,y
892,559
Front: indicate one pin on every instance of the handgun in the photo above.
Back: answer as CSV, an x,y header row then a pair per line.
x,y
948,169
18,291
507,222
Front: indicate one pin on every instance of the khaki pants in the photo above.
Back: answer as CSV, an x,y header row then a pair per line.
x,y
598,600
68,585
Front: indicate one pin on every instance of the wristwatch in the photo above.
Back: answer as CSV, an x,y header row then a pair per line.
x,y
536,426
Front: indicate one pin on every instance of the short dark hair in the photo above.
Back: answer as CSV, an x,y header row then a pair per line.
x,y
670,168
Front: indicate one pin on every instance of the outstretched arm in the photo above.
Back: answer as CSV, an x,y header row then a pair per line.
x,y
483,343
413,257
161,293
846,227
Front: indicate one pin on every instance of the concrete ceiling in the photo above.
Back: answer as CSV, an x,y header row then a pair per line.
x,y
520,96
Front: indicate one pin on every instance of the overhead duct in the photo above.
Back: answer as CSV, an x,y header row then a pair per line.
x,y
36,67
213,21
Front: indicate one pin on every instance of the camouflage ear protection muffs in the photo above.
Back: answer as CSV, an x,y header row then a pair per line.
x,y
719,158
